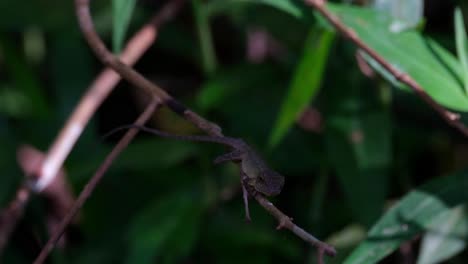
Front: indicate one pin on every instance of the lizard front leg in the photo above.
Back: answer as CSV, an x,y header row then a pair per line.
x,y
235,155
245,195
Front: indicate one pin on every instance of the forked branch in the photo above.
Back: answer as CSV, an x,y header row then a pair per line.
x,y
94,181
50,168
159,95
96,94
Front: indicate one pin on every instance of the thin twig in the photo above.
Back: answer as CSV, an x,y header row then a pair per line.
x,y
97,93
86,24
451,118
286,222
87,27
92,99
94,181
10,216
58,195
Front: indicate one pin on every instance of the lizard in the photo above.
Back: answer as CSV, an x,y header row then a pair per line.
x,y
256,175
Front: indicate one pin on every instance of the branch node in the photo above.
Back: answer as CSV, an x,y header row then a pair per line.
x,y
329,250
283,222
453,116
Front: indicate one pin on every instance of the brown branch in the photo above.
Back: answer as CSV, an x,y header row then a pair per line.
x,y
58,194
59,197
10,216
450,117
160,96
91,100
94,181
97,93
286,222
87,27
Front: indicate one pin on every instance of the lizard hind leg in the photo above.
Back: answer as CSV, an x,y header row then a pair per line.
x,y
235,155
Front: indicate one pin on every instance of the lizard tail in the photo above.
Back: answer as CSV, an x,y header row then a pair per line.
x,y
220,140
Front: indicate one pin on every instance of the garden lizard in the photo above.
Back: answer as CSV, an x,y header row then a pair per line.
x,y
256,176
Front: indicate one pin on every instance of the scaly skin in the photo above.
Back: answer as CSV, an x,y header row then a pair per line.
x,y
256,176
256,172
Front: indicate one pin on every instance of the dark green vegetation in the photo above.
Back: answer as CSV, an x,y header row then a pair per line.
x,y
383,178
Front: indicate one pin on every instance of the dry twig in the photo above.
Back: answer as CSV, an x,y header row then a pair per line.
x,y
94,181
87,27
58,196
97,93
286,222
10,216
49,167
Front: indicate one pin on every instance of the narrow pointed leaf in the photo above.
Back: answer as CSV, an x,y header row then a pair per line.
x,y
460,39
122,13
429,64
305,83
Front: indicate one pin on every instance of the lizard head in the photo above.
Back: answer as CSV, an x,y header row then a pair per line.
x,y
269,183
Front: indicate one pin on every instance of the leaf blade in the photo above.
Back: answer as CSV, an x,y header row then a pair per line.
x,y
410,53
122,13
411,216
305,83
446,236
460,40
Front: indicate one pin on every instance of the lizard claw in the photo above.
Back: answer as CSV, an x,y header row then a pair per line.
x,y
248,220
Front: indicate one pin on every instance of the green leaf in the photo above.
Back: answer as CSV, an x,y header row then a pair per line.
x,y
446,236
405,14
122,13
345,241
292,7
209,61
411,216
434,68
460,39
167,228
348,237
305,83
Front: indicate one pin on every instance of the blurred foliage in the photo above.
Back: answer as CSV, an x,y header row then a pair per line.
x,y
384,176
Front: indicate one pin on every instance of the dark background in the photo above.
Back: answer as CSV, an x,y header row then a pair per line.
x,y
163,201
